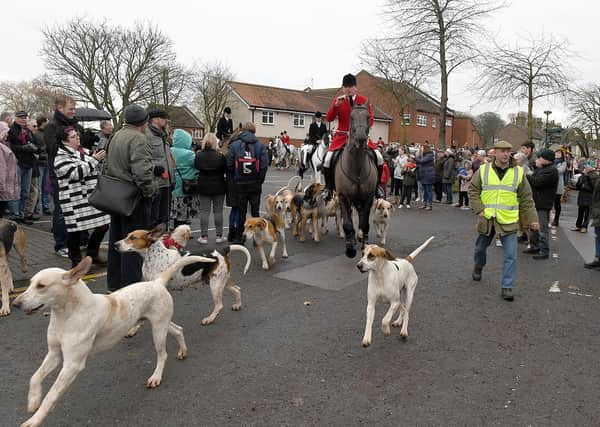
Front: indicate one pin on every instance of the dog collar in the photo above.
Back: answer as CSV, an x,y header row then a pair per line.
x,y
169,243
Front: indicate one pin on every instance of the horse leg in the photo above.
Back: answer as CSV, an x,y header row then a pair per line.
x,y
363,221
346,208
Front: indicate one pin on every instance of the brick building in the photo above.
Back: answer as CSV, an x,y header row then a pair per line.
x,y
465,134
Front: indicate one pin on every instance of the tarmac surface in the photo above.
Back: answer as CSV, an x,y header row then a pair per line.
x,y
293,356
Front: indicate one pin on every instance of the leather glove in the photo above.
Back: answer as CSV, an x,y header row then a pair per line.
x,y
158,170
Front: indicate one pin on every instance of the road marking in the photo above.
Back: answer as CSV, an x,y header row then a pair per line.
x,y
554,288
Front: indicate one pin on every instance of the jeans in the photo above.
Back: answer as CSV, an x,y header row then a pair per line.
x,y
234,218
428,194
583,216
447,189
254,200
509,247
17,207
539,238
597,232
463,198
205,204
59,229
406,194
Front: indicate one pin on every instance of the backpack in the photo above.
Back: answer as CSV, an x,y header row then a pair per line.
x,y
246,166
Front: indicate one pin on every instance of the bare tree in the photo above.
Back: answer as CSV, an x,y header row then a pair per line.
x,y
211,91
442,32
107,66
32,96
401,72
531,70
585,108
489,124
170,85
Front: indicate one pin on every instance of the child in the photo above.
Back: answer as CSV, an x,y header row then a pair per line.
x,y
465,173
409,181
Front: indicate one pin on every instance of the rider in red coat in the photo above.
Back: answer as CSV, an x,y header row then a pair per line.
x,y
340,109
285,138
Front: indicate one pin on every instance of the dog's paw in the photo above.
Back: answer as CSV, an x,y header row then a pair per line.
x,y
265,266
236,307
206,321
4,311
285,255
397,323
133,331
366,343
154,381
182,354
33,402
404,335
272,259
383,241
386,330
30,423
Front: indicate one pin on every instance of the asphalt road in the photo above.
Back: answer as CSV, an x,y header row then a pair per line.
x,y
470,359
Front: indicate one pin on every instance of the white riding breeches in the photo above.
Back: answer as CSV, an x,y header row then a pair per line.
x,y
329,155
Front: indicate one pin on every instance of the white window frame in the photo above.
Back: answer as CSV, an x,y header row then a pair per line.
x,y
270,118
421,120
406,119
197,134
298,120
433,121
448,122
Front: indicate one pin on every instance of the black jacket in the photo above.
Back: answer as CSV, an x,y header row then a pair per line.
x,y
23,144
211,172
543,183
316,132
586,189
39,140
224,128
53,134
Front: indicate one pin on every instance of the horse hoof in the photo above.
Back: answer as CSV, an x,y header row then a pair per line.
x,y
350,252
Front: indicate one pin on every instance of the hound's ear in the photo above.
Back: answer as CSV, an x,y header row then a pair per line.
x,y
73,275
388,255
262,224
155,233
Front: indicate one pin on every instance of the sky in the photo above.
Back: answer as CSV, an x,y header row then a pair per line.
x,y
307,43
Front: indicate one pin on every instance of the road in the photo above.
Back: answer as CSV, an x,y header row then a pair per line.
x,y
293,357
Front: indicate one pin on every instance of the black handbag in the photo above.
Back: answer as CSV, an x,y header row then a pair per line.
x,y
189,186
113,195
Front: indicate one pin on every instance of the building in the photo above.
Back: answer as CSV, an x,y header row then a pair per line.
x,y
516,135
274,110
465,133
181,117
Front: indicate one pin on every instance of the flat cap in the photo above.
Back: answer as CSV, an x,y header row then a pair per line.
x,y
503,144
21,114
157,112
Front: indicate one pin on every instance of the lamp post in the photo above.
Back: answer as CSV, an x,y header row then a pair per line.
x,y
547,113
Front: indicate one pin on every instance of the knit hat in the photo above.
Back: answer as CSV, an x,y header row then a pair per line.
x,y
547,154
349,80
135,115
157,112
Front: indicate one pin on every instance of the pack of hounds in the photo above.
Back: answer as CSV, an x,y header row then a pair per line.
x,y
83,323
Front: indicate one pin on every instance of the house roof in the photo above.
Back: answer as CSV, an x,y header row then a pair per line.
x,y
302,101
181,116
517,135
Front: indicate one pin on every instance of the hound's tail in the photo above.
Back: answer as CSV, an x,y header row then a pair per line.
x,y
289,185
241,248
417,251
166,275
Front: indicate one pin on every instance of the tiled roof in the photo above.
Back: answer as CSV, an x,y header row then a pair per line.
x,y
276,98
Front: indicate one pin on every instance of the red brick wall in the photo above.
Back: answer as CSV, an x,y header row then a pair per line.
x,y
465,133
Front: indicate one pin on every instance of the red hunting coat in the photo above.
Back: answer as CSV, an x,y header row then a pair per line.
x,y
285,139
342,113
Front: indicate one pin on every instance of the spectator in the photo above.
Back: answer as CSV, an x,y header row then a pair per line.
x,y
184,205
465,174
77,175
211,187
449,174
439,173
9,179
409,172
247,163
385,175
543,181
595,217
106,130
129,158
42,123
32,212
22,143
399,162
156,132
7,118
527,148
63,117
585,186
427,175
477,160
561,167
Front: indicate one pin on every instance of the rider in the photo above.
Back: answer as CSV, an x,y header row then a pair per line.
x,y
315,132
340,108
225,126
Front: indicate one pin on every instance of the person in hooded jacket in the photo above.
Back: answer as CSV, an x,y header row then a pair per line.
x,y
184,205
246,188
427,175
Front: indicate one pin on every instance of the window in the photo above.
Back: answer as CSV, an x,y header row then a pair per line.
x,y
298,120
406,119
448,122
268,118
421,120
433,122
197,134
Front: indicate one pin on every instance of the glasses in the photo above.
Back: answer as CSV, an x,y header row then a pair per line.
x,y
74,136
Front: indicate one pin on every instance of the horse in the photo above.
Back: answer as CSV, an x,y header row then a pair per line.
x,y
282,154
313,159
356,178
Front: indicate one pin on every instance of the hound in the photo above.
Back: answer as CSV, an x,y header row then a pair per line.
x,y
265,230
313,207
10,233
383,211
82,323
391,280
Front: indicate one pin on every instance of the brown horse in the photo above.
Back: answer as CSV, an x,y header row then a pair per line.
x,y
356,178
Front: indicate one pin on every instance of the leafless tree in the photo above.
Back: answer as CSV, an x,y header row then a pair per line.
x,y
32,96
531,69
489,124
441,32
400,72
107,66
171,84
211,91
585,108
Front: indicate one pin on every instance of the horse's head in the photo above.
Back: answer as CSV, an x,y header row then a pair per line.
x,y
359,125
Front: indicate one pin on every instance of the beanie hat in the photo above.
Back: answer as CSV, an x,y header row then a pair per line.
x,y
349,80
135,115
547,154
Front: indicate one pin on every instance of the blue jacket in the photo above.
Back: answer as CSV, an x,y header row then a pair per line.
x,y
260,152
426,171
184,159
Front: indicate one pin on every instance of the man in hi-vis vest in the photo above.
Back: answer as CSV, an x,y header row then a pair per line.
x,y
501,197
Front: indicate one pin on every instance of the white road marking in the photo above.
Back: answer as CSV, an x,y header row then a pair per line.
x,y
555,288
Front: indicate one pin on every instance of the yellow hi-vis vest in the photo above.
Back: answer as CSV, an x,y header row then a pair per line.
x,y
499,198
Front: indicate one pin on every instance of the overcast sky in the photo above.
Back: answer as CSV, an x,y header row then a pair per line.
x,y
298,44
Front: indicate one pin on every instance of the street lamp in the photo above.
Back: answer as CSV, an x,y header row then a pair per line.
x,y
547,113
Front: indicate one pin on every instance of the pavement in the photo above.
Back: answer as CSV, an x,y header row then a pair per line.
x,y
293,357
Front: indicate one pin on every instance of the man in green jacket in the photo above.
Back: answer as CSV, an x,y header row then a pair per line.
x,y
500,196
129,158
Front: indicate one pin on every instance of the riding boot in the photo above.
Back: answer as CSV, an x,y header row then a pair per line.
x,y
379,193
328,175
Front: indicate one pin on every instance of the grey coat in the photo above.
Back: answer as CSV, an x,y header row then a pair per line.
x,y
449,172
130,158
161,155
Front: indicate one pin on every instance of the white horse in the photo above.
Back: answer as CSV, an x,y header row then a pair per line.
x,y
282,154
314,159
